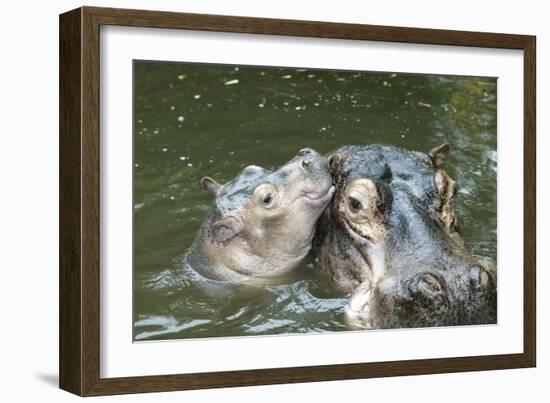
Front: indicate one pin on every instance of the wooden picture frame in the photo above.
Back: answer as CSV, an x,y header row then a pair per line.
x,y
79,278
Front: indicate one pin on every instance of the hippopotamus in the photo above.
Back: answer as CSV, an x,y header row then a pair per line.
x,y
262,223
390,238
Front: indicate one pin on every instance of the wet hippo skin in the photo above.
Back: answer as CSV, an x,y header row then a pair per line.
x,y
262,223
390,238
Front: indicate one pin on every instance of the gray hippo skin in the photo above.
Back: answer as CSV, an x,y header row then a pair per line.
x,y
390,238
262,223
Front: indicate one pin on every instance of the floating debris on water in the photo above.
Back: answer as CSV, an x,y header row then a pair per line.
x,y
286,77
181,76
236,68
183,158
209,105
172,108
181,118
393,75
197,96
425,105
164,149
231,82
310,75
189,164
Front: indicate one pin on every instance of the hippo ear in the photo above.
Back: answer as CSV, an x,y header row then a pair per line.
x,y
211,186
445,185
226,229
446,189
438,154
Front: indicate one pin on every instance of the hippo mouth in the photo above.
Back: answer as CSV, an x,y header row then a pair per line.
x,y
319,199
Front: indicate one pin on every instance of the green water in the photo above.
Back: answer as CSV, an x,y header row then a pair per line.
x,y
192,120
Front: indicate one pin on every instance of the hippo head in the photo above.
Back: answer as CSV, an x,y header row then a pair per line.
x,y
369,177
262,222
391,237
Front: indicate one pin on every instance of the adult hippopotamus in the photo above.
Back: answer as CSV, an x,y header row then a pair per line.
x,y
390,238
262,223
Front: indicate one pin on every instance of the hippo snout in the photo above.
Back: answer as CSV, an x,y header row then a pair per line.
x,y
308,157
314,164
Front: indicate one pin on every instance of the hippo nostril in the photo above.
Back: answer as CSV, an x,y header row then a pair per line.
x,y
426,284
484,278
429,283
305,151
479,276
305,163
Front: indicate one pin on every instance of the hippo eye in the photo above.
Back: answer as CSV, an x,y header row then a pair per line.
x,y
268,198
355,204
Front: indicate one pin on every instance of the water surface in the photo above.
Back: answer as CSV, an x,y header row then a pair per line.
x,y
192,120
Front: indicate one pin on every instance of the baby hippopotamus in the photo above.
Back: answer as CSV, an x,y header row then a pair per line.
x,y
390,238
262,223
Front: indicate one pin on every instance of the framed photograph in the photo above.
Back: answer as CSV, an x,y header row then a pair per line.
x,y
249,201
